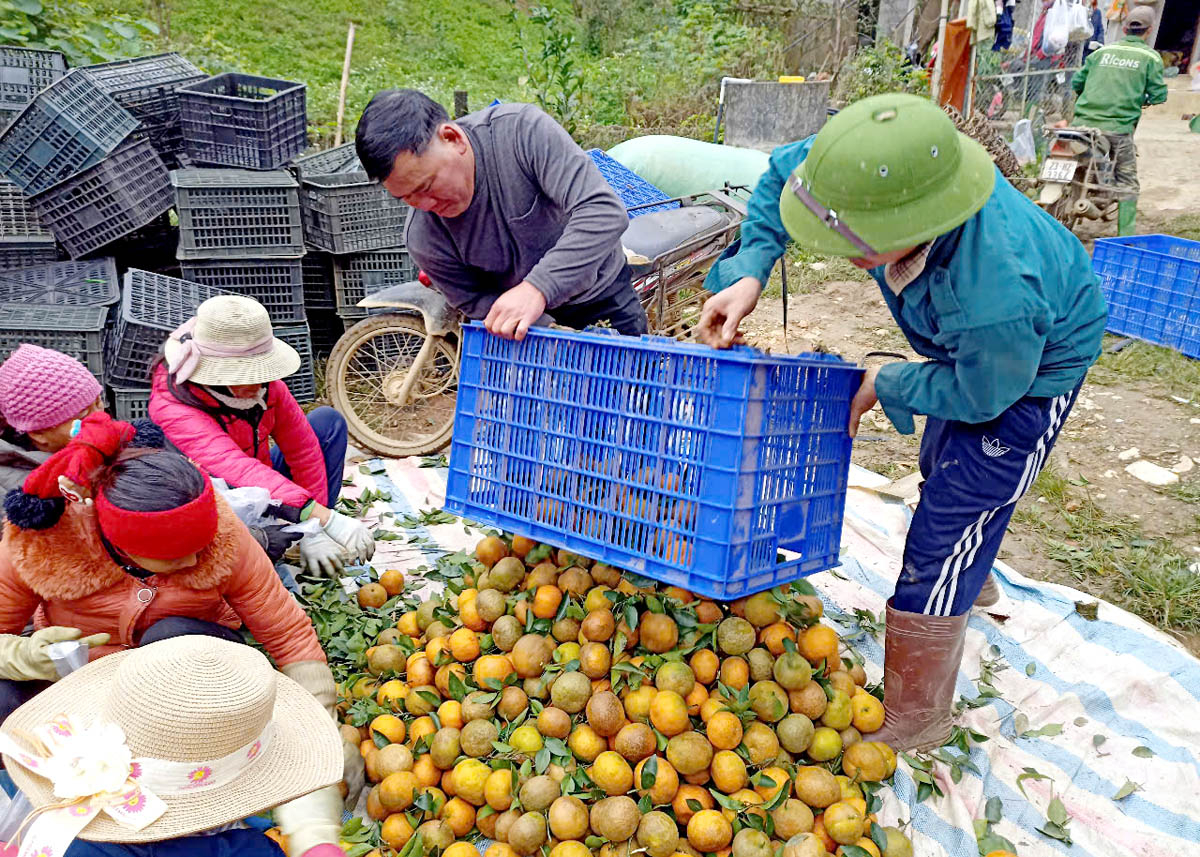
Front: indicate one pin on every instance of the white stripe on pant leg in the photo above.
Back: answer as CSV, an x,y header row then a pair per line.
x,y
1058,410
941,597
959,549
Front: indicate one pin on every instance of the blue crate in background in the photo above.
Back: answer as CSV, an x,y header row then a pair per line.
x,y
632,188
1152,286
691,466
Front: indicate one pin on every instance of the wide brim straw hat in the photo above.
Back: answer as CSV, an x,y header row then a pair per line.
x,y
191,699
223,326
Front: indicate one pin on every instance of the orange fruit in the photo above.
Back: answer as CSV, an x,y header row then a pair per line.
x,y
1001,854
498,789
464,645
450,714
696,699
611,773
728,771
396,831
709,831
426,771
724,730
735,673
389,726
546,601
711,706
498,667
419,728
490,551
665,781
773,635
776,775
818,643
685,796
469,614
419,669
398,791
708,613
442,679
705,664
435,650
460,815
669,713
499,849
819,831
371,595
867,712
521,545
391,694
658,631
407,625
392,581
585,743
637,702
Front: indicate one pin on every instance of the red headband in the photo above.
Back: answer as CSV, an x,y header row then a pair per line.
x,y
169,534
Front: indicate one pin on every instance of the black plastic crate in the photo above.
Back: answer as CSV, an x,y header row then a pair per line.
x,y
302,382
146,87
277,284
17,214
24,72
152,306
237,214
325,327
90,283
22,252
74,330
349,213
130,403
339,159
358,275
241,120
67,127
150,248
318,280
124,192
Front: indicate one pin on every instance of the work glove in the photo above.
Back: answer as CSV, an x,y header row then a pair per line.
x,y
321,555
26,659
274,540
311,821
352,535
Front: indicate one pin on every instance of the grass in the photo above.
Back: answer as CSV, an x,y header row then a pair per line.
x,y
1184,225
808,272
1109,556
1158,368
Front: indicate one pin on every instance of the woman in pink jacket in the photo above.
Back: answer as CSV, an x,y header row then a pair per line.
x,y
218,396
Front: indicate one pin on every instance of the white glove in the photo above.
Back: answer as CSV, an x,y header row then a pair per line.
x,y
25,658
312,820
351,534
321,555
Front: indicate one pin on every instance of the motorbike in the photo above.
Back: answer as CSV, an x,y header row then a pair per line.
x,y
394,375
1077,177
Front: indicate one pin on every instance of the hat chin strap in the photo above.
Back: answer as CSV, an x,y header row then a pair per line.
x,y
828,216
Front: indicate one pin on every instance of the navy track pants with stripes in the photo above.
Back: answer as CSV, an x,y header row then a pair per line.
x,y
974,475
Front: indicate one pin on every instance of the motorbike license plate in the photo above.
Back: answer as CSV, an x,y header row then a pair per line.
x,y
1058,169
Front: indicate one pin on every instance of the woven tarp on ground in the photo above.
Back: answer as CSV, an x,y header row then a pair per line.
x,y
1125,696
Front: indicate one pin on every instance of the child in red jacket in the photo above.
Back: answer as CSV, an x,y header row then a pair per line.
x,y
219,397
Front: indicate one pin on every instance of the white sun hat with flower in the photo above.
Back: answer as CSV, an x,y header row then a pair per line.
x,y
179,737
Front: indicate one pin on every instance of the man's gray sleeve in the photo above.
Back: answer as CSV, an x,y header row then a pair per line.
x,y
449,275
596,218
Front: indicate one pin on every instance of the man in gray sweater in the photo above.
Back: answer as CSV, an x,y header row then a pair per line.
x,y
510,219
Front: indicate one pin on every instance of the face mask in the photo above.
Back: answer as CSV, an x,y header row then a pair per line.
x,y
221,394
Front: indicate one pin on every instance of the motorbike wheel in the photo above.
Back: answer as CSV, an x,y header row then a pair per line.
x,y
367,368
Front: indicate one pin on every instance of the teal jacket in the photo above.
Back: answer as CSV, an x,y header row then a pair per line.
x,y
1115,83
1007,306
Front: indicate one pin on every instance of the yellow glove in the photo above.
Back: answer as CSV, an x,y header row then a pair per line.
x,y
26,659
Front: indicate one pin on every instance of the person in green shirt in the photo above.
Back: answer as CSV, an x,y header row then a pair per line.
x,y
997,296
1113,86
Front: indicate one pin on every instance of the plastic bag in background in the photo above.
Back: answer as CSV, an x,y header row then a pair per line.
x,y
1022,144
1057,31
249,504
1080,23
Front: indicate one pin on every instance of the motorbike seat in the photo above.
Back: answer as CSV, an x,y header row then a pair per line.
x,y
659,232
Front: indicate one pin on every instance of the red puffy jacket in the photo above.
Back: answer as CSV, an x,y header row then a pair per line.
x,y
235,449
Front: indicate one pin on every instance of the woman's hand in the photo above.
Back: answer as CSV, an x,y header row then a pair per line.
x,y
724,311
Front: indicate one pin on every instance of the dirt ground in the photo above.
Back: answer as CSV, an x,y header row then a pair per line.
x,y
1088,499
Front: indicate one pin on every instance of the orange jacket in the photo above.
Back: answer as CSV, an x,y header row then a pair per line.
x,y
65,576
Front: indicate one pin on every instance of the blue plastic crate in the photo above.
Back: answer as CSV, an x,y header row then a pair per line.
x,y
691,466
632,188
1152,285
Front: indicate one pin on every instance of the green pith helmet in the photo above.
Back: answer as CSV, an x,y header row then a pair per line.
x,y
890,171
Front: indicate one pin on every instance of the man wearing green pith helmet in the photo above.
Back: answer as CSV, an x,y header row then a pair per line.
x,y
997,297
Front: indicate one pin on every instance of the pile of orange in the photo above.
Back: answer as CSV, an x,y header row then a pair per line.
x,y
556,707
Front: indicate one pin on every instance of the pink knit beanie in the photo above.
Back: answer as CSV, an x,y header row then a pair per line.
x,y
41,388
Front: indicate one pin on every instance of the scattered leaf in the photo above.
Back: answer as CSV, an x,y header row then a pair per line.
x,y
1126,790
1030,668
993,810
1143,752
